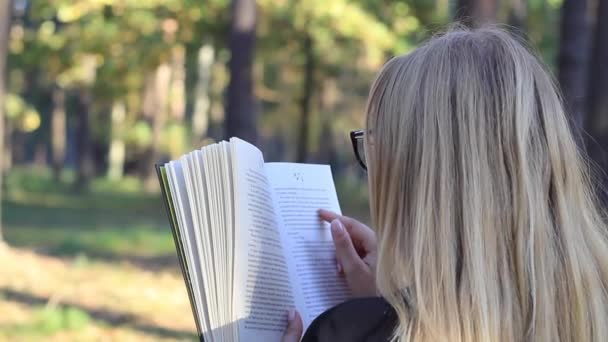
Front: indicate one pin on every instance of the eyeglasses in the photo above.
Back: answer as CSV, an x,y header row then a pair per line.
x,y
356,138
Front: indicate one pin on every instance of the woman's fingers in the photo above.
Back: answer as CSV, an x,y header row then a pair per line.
x,y
362,235
347,256
359,275
293,333
327,215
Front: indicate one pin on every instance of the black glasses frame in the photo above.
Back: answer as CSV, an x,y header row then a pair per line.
x,y
355,136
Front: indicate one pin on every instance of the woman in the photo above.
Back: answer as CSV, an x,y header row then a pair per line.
x,y
486,225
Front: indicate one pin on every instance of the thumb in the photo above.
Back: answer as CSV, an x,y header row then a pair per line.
x,y
346,254
294,327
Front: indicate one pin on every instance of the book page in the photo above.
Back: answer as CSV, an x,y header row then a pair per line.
x,y
299,190
179,196
228,193
263,292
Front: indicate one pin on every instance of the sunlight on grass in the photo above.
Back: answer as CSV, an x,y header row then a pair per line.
x,y
134,240
112,219
106,256
48,321
60,299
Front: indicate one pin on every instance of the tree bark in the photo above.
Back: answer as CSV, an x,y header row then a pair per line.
x,y
161,80
58,131
476,12
83,141
240,112
518,14
328,100
573,59
202,104
177,89
7,161
597,123
5,20
116,155
148,112
304,126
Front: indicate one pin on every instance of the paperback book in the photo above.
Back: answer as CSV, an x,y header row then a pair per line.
x,y
249,241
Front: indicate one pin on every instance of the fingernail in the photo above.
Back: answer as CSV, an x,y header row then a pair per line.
x,y
337,227
339,267
291,315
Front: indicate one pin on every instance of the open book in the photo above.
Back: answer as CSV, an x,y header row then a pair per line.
x,y
249,240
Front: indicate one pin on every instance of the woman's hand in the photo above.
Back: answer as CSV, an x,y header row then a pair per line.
x,y
356,251
293,333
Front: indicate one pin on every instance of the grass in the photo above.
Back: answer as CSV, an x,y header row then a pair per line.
x,y
110,220
49,321
88,266
66,299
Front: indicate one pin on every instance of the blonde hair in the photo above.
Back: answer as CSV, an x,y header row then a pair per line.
x,y
487,227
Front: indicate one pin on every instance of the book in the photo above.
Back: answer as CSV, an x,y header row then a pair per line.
x,y
249,240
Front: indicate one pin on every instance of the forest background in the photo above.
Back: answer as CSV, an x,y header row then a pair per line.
x,y
94,92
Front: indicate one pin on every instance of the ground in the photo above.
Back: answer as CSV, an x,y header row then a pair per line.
x,y
70,299
98,266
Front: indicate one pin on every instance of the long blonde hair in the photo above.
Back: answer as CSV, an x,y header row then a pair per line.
x,y
488,229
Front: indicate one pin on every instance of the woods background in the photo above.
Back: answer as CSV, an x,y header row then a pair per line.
x,y
94,92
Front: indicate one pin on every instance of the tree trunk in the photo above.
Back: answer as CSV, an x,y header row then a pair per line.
x,y
476,12
83,141
161,81
573,59
240,113
5,20
177,99
7,159
58,131
304,127
202,104
177,91
518,14
116,155
148,111
328,100
597,123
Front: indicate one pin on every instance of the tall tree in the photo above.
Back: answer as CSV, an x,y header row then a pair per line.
x,y
5,19
116,154
475,12
309,68
156,110
518,13
240,112
84,164
202,101
573,59
597,123
328,99
58,131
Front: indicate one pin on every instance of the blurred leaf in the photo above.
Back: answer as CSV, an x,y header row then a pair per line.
x,y
140,134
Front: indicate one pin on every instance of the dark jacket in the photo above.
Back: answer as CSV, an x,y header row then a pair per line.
x,y
364,319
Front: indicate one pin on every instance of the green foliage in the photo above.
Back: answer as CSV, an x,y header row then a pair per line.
x,y
61,318
20,113
49,320
114,219
140,135
113,49
174,139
